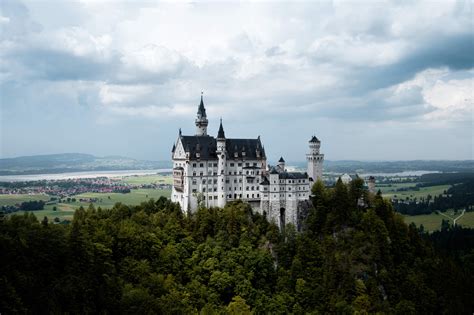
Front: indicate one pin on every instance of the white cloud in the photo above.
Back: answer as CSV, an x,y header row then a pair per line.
x,y
353,62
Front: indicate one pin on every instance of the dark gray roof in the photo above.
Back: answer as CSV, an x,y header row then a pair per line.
x,y
174,148
201,109
220,133
314,139
281,159
292,175
265,181
207,146
273,170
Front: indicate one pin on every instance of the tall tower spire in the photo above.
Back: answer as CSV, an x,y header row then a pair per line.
x,y
315,159
221,167
220,133
201,119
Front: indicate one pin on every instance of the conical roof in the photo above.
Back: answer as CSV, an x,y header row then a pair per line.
x,y
201,108
220,133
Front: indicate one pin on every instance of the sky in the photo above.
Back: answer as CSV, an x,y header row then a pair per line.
x,y
373,80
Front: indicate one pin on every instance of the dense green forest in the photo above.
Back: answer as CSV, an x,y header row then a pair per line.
x,y
151,258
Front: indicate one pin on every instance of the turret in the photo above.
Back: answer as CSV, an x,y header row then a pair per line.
x,y
315,159
221,156
281,163
201,120
371,184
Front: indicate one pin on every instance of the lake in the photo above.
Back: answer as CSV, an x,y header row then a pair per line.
x,y
74,175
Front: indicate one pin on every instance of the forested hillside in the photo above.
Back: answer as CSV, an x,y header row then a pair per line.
x,y
153,259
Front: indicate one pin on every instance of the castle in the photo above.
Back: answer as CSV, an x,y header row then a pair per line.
x,y
211,171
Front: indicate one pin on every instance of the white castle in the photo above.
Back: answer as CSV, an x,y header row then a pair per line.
x,y
210,171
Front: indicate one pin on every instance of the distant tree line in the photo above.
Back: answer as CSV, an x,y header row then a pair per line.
x,y
25,206
457,197
350,257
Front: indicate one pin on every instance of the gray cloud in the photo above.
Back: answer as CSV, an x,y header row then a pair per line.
x,y
276,69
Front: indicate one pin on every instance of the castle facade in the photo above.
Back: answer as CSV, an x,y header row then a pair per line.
x,y
211,171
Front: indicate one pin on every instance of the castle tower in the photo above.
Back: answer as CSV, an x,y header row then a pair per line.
x,y
315,159
281,163
201,120
221,155
371,184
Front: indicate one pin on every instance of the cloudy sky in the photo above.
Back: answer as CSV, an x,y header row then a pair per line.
x,y
375,80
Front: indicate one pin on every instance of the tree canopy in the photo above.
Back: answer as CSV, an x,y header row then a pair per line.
x,y
351,257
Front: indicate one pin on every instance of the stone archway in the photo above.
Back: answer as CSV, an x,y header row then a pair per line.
x,y
282,218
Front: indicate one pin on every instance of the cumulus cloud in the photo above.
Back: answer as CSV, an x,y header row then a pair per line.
x,y
389,63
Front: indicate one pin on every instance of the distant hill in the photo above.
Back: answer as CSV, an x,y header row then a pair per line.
x,y
77,162
393,166
73,162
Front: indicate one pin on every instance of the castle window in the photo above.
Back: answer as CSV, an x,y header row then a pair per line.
x,y
215,189
254,164
194,173
194,182
204,190
227,181
290,195
194,164
215,197
215,181
240,164
235,172
203,181
247,164
231,164
253,196
194,190
240,172
201,164
201,173
258,195
240,180
247,196
240,195
252,187
235,181
215,164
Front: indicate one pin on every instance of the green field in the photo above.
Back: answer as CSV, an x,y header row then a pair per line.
x,y
432,222
66,210
11,200
390,192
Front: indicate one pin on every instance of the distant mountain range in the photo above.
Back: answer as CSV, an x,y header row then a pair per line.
x,y
73,162
77,162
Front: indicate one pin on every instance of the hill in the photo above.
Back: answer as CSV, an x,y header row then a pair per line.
x,y
348,166
73,162
153,259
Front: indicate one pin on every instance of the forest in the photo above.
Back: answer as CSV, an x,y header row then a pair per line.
x,y
348,258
